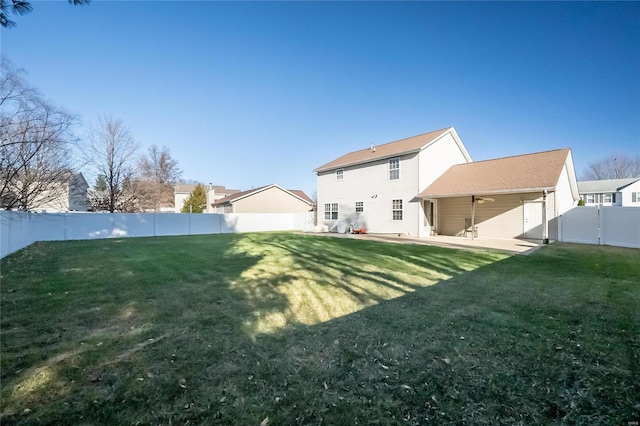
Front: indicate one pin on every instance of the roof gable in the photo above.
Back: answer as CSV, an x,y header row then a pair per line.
x,y
230,199
522,173
388,150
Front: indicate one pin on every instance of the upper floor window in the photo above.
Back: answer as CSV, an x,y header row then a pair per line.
x,y
394,169
359,206
339,174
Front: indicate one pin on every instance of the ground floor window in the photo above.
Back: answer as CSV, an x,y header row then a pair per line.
x,y
635,197
331,211
359,206
396,209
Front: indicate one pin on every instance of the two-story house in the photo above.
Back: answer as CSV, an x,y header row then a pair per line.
x,y
429,184
377,188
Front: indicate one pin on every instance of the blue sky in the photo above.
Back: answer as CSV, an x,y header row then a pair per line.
x,y
246,94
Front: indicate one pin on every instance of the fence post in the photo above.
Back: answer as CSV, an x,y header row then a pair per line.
x,y
599,226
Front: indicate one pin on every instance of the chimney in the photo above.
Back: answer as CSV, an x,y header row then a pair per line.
x,y
373,148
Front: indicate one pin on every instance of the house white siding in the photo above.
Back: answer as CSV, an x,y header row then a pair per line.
x,y
369,183
564,196
434,160
627,195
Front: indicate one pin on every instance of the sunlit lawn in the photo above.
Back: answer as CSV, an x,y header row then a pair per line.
x,y
280,328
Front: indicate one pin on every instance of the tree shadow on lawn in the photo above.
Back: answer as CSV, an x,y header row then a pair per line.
x,y
90,326
210,332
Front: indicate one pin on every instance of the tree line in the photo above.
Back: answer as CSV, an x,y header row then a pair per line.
x,y
40,151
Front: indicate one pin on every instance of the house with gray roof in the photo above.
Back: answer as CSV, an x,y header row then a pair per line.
x,y
610,192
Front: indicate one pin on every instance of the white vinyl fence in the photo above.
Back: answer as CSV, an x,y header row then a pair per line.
x,y
19,229
608,225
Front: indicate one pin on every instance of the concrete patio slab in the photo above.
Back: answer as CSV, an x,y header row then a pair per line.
x,y
510,245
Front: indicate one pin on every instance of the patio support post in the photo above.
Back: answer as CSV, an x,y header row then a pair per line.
x,y
473,217
545,225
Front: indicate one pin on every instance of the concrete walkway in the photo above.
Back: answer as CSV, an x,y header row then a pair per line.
x,y
509,245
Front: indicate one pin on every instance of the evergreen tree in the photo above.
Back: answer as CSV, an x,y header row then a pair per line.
x,y
100,184
196,201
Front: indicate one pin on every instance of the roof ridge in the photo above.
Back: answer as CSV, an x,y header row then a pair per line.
x,y
517,155
400,140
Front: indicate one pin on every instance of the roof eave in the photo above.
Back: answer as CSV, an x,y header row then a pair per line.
x,y
489,192
371,160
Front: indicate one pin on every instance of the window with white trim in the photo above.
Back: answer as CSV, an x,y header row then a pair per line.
x,y
334,211
394,169
396,209
606,198
635,197
339,174
590,199
359,206
331,211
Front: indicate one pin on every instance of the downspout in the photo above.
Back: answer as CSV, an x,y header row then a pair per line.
x,y
545,225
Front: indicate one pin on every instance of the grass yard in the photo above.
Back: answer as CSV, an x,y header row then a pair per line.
x,y
281,329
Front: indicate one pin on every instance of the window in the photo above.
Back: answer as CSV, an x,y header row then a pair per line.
x,y
396,209
606,198
613,197
359,206
590,199
635,197
339,174
394,169
331,211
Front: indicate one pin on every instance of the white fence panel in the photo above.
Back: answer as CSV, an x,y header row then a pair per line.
x,y
172,224
580,225
48,227
90,226
621,226
21,229
608,225
205,223
16,232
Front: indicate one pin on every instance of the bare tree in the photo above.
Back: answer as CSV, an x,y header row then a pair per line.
x,y
619,166
110,152
158,172
36,144
21,7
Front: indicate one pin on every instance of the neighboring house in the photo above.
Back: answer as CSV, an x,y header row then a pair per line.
x,y
71,196
377,188
512,197
610,192
266,199
428,185
214,192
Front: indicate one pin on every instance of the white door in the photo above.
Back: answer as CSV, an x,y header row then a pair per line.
x,y
533,220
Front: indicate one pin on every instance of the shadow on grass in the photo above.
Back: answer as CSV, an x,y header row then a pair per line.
x,y
232,329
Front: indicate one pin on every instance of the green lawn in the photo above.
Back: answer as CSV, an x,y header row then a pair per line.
x,y
280,329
